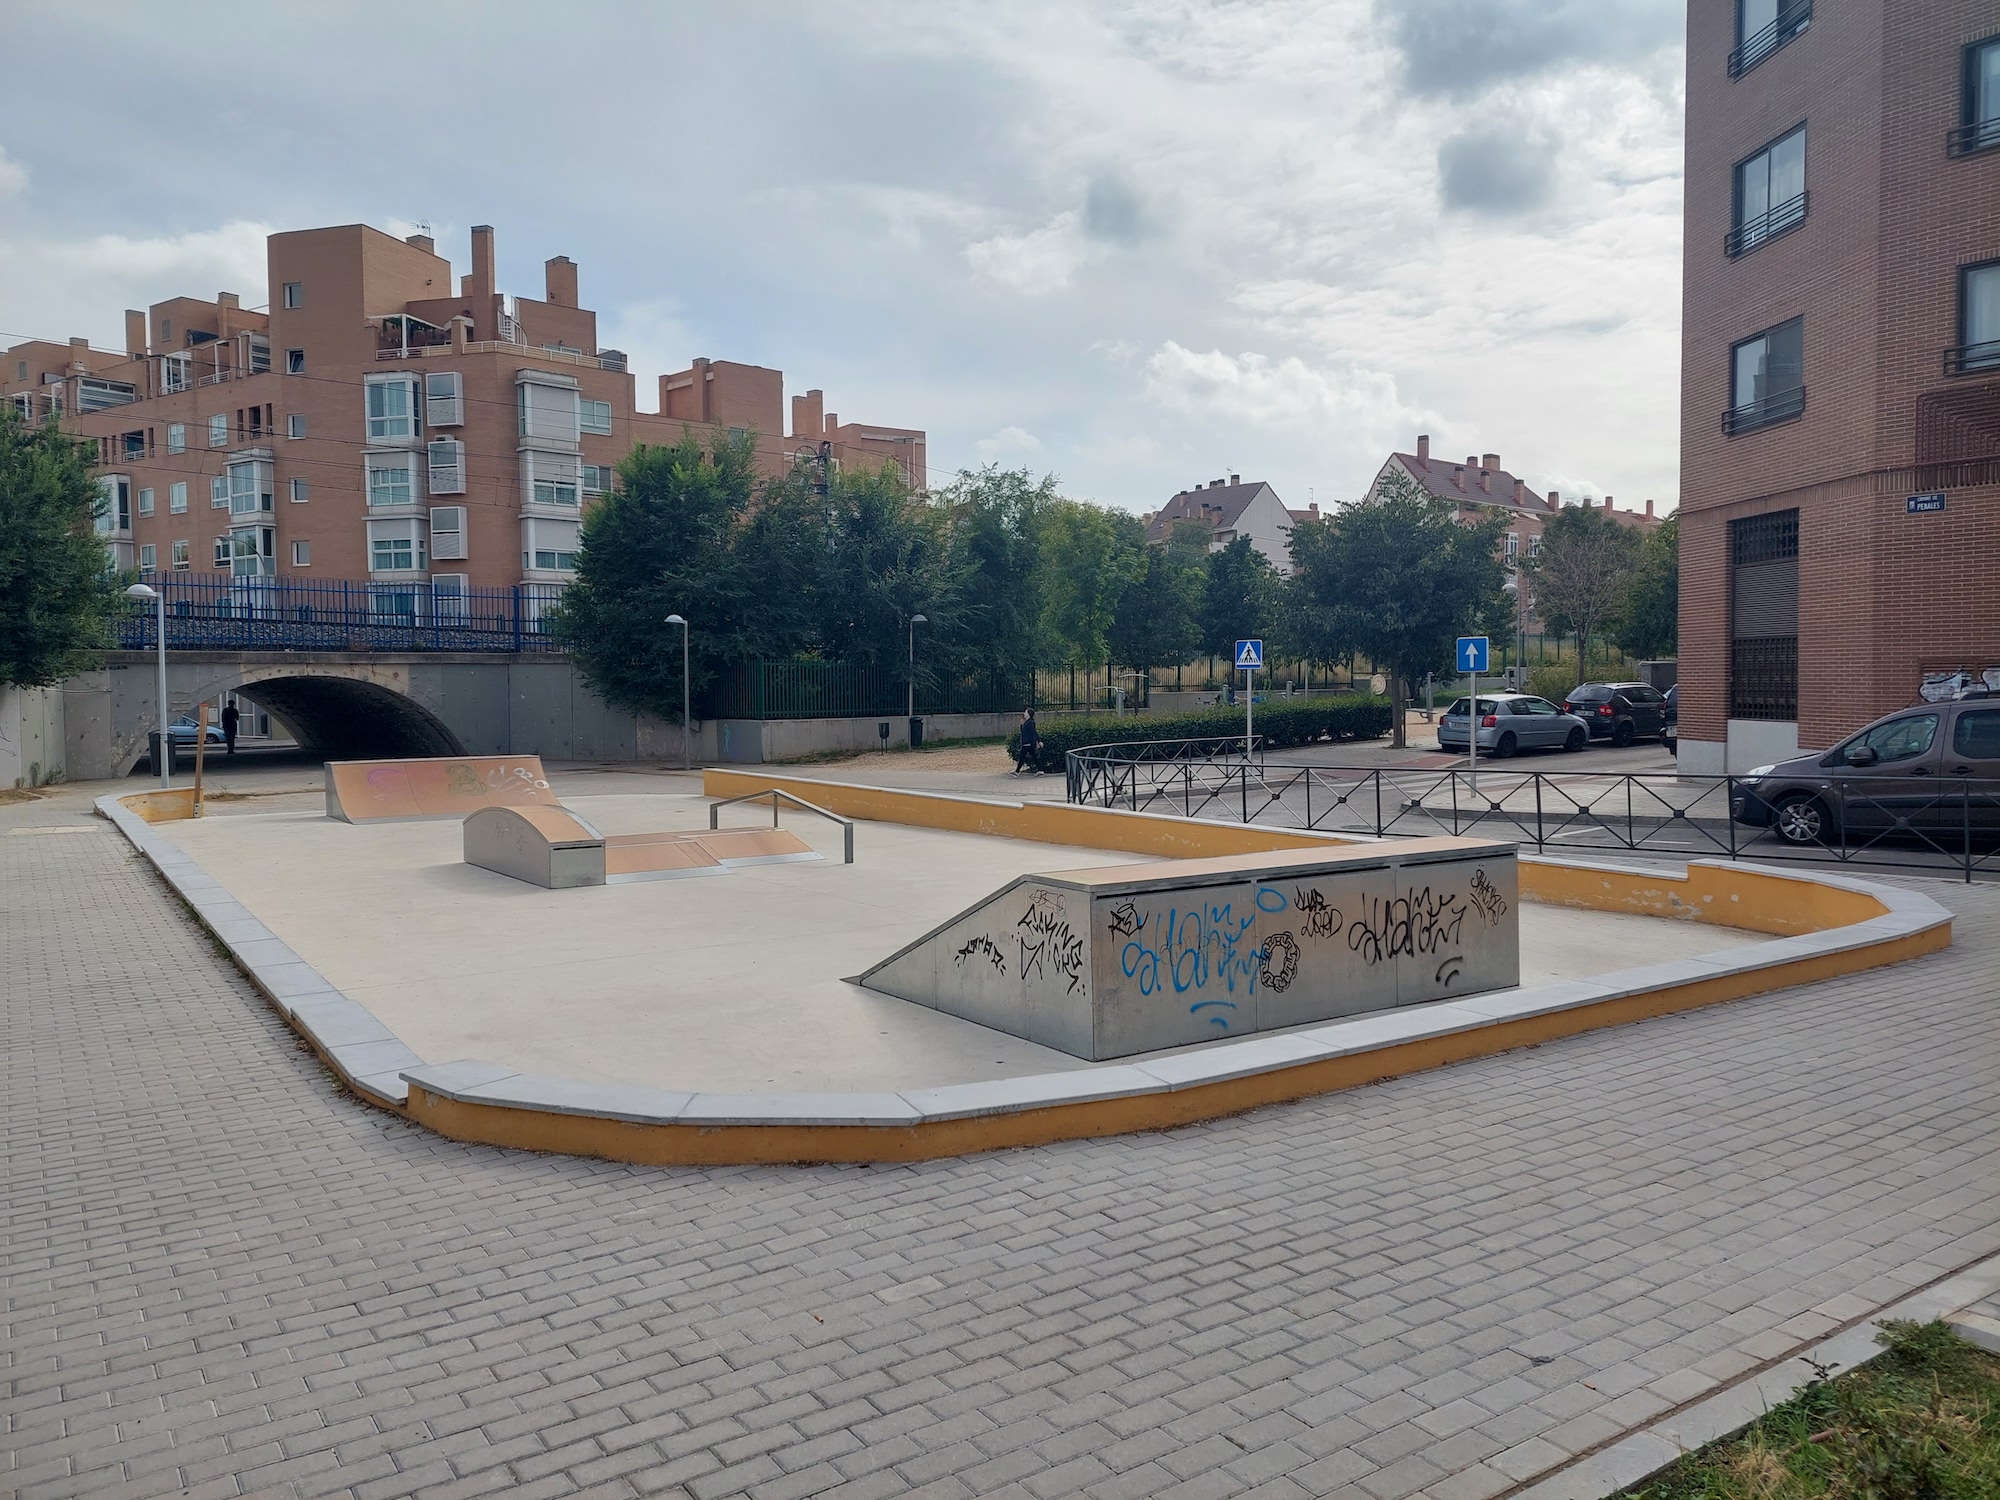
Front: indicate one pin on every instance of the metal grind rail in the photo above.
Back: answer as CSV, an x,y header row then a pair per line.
x,y
1935,824
778,796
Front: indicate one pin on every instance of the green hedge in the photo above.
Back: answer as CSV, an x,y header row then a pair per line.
x,y
1280,723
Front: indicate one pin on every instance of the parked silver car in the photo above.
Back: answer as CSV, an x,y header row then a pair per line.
x,y
1512,721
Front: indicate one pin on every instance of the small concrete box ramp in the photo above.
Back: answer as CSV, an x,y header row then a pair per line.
x,y
449,786
547,846
1134,958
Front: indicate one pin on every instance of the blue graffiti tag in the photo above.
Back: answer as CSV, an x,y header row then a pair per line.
x,y
1196,945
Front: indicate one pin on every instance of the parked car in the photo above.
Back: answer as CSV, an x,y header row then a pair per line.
x,y
1934,768
182,731
1509,722
1620,712
1670,736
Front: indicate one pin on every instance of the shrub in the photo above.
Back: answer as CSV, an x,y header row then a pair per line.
x,y
1278,725
1553,681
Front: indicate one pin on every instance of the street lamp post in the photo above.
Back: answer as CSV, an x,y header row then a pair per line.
x,y
163,757
687,724
915,621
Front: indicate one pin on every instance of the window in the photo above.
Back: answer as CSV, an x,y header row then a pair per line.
x,y
1767,379
302,554
250,487
145,502
550,478
443,399
114,504
295,361
1762,27
389,480
1535,546
177,497
218,492
1513,545
1977,736
176,370
397,546
225,553
180,556
177,437
148,558
253,551
450,596
260,354
1980,111
295,294
550,546
166,330
594,416
391,409
93,394
1764,616
1978,321
295,424
21,369
218,430
448,532
547,408
1899,739
300,492
1770,193
598,479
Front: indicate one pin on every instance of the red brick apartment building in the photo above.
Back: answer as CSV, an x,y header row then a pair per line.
x,y
372,425
1840,381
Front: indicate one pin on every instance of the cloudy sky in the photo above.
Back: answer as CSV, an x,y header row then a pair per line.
x,y
1139,244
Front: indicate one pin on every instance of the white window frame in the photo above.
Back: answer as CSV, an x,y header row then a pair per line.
x,y
295,361
176,373
588,415
146,501
177,437
382,489
218,492
253,551
223,553
260,353
149,557
302,554
599,479
295,294
177,498
252,487
218,430
444,398
113,514
295,424
539,558
547,409
300,492
450,596
407,535
179,559
550,479
386,425
448,538
444,466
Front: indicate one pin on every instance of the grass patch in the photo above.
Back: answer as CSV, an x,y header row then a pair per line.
x,y
1921,1421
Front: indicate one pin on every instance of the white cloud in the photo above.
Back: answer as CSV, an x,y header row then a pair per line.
x,y
82,286
1008,443
1257,390
13,176
1036,263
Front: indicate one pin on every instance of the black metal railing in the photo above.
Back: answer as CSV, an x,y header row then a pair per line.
x,y
1947,823
1970,140
222,612
1762,42
1967,359
1780,406
1768,225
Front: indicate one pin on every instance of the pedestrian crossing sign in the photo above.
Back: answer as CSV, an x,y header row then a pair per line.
x,y
1249,656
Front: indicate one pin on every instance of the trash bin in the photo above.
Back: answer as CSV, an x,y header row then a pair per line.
x,y
916,734
153,753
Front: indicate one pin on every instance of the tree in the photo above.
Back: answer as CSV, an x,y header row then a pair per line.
x,y
1399,579
1581,576
1649,620
996,520
666,542
1157,623
1239,597
1087,557
57,593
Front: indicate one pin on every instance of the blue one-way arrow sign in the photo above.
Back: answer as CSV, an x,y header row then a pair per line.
x,y
1472,653
1249,656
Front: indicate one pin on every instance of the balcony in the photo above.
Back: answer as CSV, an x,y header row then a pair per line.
x,y
1778,220
1761,43
1972,359
1781,406
1970,140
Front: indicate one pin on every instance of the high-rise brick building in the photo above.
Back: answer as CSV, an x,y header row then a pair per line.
x,y
1840,382
377,424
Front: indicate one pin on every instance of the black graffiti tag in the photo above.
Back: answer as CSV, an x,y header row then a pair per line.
x,y
1045,937
1421,922
1281,960
1487,900
981,946
1321,920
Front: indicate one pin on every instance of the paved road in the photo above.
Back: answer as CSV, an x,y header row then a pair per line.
x,y
223,1277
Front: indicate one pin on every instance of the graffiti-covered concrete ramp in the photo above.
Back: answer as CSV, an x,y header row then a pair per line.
x,y
449,786
1133,958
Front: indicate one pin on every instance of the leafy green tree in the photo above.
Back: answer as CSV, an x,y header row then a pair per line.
x,y
997,517
1649,620
1580,578
1398,579
1157,622
1239,597
665,542
1087,558
57,593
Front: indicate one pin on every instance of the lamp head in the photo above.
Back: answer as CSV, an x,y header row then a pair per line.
x,y
676,620
141,591
918,620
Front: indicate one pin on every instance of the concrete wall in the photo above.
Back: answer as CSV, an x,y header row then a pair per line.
x,y
32,750
754,742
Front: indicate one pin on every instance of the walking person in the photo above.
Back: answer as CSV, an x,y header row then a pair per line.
x,y
229,718
1027,757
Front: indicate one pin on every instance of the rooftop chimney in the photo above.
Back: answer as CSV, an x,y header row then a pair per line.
x,y
561,281
1423,448
1649,508
1520,492
1607,503
1489,460
423,242
809,415
1458,475
135,333
1235,478
1215,484
1555,500
79,355
483,284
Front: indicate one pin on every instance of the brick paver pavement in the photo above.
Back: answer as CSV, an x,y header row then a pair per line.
x,y
223,1277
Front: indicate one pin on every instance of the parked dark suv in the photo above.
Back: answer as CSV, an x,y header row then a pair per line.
x,y
1928,770
1620,712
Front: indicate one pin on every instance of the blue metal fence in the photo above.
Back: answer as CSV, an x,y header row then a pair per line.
x,y
216,611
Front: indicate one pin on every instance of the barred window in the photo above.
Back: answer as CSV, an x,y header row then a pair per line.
x,y
1764,616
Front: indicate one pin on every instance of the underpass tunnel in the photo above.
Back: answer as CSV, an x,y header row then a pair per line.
x,y
341,718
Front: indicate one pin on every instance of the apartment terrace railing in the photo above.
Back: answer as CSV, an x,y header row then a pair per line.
x,y
1761,43
1781,406
1777,220
610,359
1968,359
1970,140
1949,825
221,612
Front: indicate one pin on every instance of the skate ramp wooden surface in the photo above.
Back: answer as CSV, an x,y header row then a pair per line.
x,y
446,786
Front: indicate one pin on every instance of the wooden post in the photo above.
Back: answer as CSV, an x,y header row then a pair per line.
x,y
200,744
